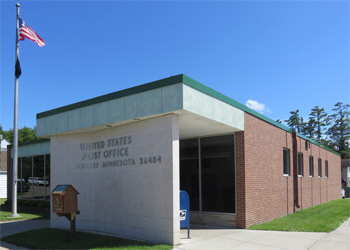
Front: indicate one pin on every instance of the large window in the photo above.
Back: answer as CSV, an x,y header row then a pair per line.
x,y
207,173
300,164
34,177
319,167
189,171
311,166
286,162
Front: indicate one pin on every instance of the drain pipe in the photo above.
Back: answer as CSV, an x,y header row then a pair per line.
x,y
295,169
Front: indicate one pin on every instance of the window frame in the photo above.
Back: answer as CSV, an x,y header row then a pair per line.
x,y
300,164
319,168
311,166
286,162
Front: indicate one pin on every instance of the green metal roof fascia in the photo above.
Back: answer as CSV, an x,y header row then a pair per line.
x,y
30,142
157,84
162,83
230,101
318,144
122,93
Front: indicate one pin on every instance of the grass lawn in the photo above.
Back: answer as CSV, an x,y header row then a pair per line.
x,y
25,213
322,218
51,238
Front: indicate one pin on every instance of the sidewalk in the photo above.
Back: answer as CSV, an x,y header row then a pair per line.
x,y
202,239
13,227
207,238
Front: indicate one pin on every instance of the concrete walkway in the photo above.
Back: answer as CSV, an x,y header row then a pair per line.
x,y
13,227
239,239
206,238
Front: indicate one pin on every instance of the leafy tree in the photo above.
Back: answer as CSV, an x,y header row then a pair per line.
x,y
25,134
339,131
5,134
319,119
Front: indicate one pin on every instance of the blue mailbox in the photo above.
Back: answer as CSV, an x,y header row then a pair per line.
x,y
185,211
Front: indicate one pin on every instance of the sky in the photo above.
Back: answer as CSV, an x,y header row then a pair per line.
x,y
273,56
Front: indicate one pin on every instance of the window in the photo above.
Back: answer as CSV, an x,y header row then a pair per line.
x,y
286,162
326,169
300,165
34,167
218,174
189,171
319,167
307,145
207,173
311,166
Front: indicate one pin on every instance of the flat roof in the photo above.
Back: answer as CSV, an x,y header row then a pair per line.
x,y
181,78
158,84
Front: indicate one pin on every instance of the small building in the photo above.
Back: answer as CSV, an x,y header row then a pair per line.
x,y
345,170
3,168
130,152
4,144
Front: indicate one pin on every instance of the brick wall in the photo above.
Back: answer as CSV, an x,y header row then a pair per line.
x,y
263,192
240,180
3,161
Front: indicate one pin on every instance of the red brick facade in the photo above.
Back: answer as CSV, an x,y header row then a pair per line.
x,y
263,192
3,161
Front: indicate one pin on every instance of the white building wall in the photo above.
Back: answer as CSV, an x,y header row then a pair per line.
x,y
3,184
135,195
345,174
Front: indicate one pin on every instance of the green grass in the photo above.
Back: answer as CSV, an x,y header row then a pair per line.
x,y
50,238
322,218
26,213
2,201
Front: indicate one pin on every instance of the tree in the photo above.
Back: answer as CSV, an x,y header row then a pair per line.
x,y
339,131
5,134
319,120
309,128
302,126
294,121
25,134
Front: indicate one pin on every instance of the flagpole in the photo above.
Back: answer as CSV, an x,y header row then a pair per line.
x,y
15,130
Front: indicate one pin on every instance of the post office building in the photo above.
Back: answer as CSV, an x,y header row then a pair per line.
x,y
130,152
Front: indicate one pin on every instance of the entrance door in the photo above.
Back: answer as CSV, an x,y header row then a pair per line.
x,y
207,173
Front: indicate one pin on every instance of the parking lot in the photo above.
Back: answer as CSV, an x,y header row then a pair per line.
x,y
39,192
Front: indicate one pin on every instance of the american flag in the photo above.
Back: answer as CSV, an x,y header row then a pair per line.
x,y
26,32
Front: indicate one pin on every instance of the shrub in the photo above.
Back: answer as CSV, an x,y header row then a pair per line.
x,y
30,203
44,204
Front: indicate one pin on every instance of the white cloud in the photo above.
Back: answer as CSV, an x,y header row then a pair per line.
x,y
259,107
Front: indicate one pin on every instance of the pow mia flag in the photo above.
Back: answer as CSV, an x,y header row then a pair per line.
x,y
18,70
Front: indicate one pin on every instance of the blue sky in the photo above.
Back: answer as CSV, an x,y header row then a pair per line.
x,y
278,56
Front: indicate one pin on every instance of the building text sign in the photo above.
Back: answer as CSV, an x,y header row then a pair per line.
x,y
114,152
